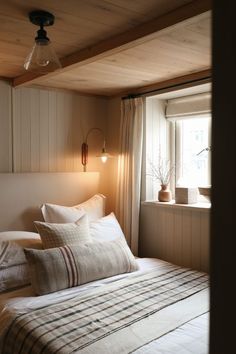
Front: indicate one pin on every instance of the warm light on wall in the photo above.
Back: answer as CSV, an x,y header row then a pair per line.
x,y
84,149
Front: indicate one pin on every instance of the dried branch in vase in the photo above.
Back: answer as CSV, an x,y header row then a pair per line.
x,y
162,172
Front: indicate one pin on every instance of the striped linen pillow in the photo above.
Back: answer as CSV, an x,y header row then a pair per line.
x,y
57,235
64,267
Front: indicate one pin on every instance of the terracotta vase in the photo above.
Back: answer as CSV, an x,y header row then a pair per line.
x,y
164,194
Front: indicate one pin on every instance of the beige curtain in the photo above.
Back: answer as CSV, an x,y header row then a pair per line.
x,y
129,169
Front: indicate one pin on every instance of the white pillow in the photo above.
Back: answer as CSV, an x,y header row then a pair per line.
x,y
93,207
22,238
106,229
12,244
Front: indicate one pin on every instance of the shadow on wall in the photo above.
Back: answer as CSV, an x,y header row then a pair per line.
x,y
26,219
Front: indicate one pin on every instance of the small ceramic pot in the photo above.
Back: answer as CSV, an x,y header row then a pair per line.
x,y
164,194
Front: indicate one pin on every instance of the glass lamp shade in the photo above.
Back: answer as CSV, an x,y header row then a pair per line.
x,y
104,155
104,158
42,58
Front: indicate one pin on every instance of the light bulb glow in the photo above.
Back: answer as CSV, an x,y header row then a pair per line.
x,y
104,158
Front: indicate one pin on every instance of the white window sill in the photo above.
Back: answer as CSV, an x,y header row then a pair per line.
x,y
200,206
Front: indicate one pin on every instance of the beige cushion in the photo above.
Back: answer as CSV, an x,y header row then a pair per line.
x,y
106,228
14,277
23,238
11,254
11,247
93,207
59,268
13,266
57,235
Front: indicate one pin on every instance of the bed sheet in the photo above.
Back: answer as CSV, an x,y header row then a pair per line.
x,y
190,338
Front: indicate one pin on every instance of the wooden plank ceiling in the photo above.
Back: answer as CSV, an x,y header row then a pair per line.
x,y
97,56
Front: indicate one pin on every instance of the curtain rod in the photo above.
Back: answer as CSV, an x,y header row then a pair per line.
x,y
169,88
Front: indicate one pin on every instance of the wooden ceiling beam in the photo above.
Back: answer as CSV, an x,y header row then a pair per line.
x,y
122,41
180,82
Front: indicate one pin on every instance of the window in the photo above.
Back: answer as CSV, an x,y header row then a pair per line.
x,y
192,155
178,132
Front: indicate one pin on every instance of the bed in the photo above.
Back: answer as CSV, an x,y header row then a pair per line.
x,y
174,324
93,295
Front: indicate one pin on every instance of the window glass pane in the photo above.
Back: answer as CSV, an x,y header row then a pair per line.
x,y
194,164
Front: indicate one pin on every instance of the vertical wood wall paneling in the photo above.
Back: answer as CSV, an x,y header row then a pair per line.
x,y
16,121
25,131
187,238
69,139
35,129
48,129
5,127
205,241
44,134
77,136
169,235
60,132
196,239
52,127
177,235
162,228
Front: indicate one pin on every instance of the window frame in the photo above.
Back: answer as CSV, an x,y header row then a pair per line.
x,y
160,138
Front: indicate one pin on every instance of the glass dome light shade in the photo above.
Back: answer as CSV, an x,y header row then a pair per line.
x,y
104,155
104,158
42,58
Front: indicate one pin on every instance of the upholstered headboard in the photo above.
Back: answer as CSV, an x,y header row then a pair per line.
x,y
22,194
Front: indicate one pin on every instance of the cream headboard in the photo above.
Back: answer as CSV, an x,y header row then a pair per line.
x,y
22,194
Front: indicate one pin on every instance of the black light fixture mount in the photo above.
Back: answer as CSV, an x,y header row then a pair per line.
x,y
41,18
42,58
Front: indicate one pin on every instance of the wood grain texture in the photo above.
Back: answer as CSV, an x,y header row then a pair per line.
x,y
78,24
178,51
174,41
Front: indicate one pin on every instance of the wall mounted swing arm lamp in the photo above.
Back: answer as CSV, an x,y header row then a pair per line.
x,y
84,149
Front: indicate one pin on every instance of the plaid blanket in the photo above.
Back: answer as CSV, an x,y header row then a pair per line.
x,y
119,318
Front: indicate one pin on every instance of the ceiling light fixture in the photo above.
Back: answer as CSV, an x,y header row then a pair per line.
x,y
42,58
84,149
